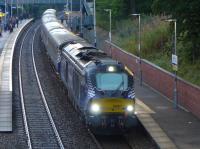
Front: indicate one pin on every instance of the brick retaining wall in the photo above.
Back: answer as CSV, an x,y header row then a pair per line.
x,y
159,79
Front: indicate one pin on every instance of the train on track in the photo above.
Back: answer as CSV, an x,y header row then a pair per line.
x,y
100,88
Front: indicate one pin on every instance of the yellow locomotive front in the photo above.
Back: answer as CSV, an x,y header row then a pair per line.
x,y
111,106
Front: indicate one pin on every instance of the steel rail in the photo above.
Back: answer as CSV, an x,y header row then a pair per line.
x,y
43,96
22,96
95,139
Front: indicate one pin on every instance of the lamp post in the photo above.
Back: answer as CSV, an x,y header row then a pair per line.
x,y
81,19
71,15
71,5
67,13
174,64
22,5
67,9
67,6
110,32
5,18
95,32
17,10
139,45
11,10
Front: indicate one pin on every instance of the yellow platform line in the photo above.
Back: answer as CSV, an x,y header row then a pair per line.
x,y
152,127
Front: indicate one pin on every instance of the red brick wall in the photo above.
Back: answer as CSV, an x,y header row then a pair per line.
x,y
189,96
159,79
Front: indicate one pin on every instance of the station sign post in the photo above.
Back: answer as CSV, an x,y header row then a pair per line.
x,y
175,69
174,62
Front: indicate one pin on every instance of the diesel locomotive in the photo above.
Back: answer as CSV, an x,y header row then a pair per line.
x,y
100,88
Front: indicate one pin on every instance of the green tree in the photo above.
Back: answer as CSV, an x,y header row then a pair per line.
x,y
120,8
187,14
143,6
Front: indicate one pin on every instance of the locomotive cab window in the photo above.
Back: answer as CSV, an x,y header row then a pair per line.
x,y
112,81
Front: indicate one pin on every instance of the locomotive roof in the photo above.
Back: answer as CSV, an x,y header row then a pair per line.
x,y
84,54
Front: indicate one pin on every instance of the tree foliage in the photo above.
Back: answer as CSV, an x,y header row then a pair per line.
x,y
123,8
143,6
120,8
187,14
188,21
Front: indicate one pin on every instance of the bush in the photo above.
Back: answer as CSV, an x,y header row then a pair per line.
x,y
154,35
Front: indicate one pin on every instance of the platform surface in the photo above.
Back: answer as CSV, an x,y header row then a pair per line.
x,y
3,39
169,127
7,42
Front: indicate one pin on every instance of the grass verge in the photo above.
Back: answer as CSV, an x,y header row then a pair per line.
x,y
156,43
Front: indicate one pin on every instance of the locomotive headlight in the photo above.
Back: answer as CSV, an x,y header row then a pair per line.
x,y
95,108
130,108
111,69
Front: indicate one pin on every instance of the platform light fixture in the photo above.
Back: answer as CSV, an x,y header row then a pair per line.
x,y
110,15
11,10
17,9
174,63
5,17
81,18
95,32
139,46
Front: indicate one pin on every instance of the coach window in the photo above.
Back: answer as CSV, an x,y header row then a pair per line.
x,y
82,87
66,71
76,84
47,41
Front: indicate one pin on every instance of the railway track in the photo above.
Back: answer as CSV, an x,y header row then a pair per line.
x,y
113,142
137,138
39,125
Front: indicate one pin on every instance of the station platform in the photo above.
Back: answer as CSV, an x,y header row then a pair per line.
x,y
170,128
7,45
